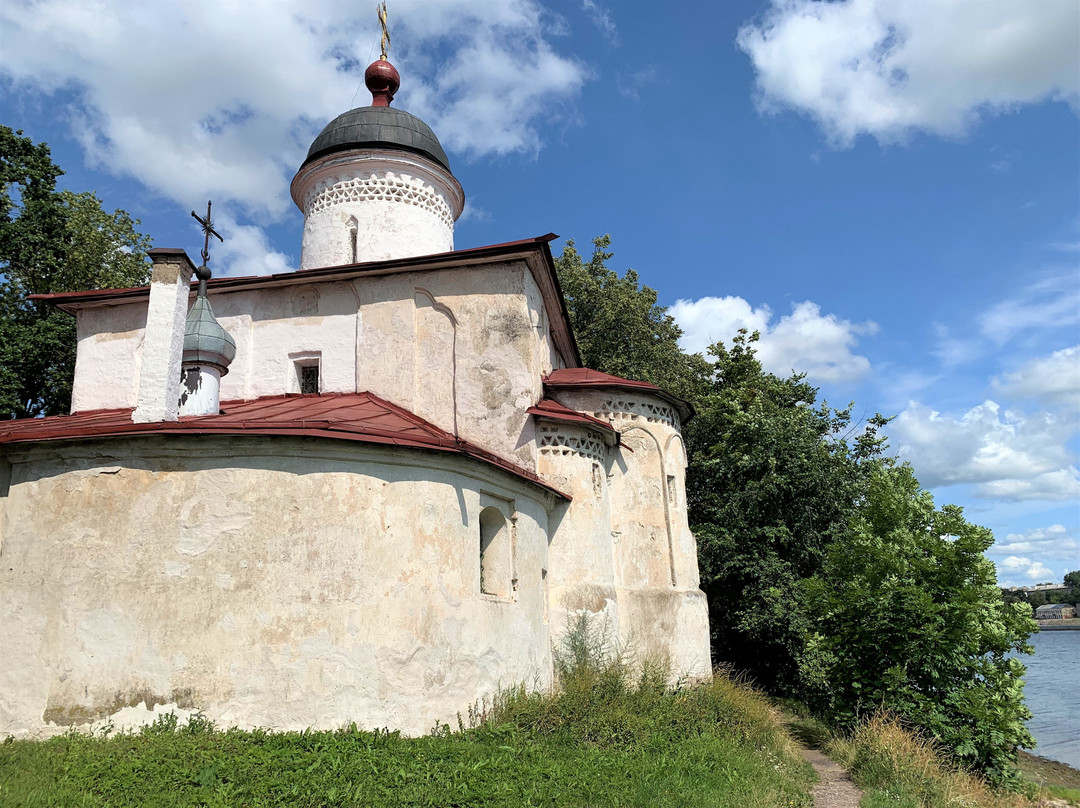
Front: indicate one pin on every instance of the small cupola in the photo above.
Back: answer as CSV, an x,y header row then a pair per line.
x,y
376,183
205,341
208,348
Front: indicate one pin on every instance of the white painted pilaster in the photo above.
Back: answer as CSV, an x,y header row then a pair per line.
x,y
163,344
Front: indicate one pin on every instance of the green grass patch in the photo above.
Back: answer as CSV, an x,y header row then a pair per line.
x,y
500,766
606,738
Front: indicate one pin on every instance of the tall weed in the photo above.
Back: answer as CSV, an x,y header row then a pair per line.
x,y
898,766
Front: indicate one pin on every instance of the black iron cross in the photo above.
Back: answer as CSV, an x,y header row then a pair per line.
x,y
208,230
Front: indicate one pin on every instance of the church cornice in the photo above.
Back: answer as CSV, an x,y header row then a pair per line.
x,y
536,252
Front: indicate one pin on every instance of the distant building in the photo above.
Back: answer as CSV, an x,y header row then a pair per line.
x,y
1055,611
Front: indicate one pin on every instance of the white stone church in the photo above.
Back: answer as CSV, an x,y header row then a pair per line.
x,y
370,490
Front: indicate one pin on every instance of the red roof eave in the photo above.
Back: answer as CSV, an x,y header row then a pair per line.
x,y
587,378
536,251
554,411
361,417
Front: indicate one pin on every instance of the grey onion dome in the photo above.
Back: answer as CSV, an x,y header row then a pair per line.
x,y
378,127
205,341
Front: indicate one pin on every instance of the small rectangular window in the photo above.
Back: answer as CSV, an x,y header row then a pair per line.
x,y
309,378
304,372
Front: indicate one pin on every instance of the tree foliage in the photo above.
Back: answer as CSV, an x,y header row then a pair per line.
x,y
908,615
51,241
830,575
772,482
619,326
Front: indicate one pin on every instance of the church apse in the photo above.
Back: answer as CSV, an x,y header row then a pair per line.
x,y
647,567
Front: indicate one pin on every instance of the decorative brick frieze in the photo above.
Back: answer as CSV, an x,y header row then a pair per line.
x,y
553,440
619,409
382,187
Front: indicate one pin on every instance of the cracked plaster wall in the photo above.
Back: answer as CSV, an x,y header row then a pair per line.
x,y
464,348
157,575
648,558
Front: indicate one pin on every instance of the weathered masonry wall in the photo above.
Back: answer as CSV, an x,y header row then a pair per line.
x,y
651,558
146,575
581,576
463,348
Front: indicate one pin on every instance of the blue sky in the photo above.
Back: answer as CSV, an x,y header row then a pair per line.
x,y
889,190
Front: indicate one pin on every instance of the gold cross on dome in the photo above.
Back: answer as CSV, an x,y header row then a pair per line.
x,y
385,44
208,230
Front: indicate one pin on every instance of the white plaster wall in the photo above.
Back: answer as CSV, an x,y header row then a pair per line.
x,y
495,364
662,613
107,356
581,575
373,205
283,583
547,357
277,327
464,348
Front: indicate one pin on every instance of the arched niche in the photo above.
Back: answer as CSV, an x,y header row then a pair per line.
x,y
640,513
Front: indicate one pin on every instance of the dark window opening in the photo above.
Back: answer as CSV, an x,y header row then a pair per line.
x,y
309,378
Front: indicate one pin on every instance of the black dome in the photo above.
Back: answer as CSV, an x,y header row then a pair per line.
x,y
365,127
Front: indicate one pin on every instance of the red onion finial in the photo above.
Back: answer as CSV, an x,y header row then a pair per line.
x,y
383,80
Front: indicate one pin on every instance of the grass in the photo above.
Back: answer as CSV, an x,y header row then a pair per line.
x,y
612,735
899,769
1057,779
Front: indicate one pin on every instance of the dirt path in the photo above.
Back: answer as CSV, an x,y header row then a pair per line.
x,y
834,789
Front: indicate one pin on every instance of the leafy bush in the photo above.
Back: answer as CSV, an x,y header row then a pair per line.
x,y
910,612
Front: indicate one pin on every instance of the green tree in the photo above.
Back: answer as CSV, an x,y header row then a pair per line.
x,y
51,241
773,481
909,613
1072,580
619,326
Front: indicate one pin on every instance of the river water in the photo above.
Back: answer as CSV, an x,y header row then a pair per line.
x,y
1052,691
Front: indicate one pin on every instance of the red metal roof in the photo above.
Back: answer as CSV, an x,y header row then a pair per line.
x,y
549,408
586,378
342,416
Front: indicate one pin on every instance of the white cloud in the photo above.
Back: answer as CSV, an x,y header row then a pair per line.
x,y
1054,378
473,212
1033,570
1061,485
1034,315
208,99
631,84
1050,303
804,340
1005,454
601,18
246,251
1053,542
890,67
953,350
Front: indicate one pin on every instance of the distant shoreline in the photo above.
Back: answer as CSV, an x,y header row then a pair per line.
x,y
1068,624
